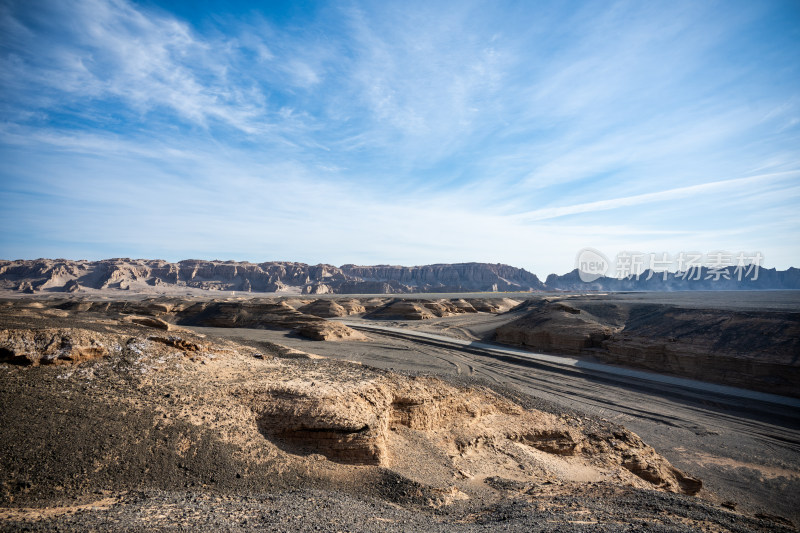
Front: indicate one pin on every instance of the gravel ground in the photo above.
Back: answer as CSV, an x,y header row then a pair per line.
x,y
593,509
87,448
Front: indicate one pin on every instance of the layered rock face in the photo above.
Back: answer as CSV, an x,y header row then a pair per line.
x,y
142,275
361,419
445,277
333,308
148,275
255,314
755,350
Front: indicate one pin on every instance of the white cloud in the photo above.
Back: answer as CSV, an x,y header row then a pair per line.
x,y
110,49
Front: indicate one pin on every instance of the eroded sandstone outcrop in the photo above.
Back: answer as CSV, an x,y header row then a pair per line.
x,y
751,349
419,309
326,309
263,314
327,331
144,275
150,321
50,346
558,327
357,418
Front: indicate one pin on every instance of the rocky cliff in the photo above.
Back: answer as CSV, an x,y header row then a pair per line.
x,y
445,277
157,276
141,275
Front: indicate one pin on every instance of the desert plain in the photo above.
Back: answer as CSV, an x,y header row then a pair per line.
x,y
397,413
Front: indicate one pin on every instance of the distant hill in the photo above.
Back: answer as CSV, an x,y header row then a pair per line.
x,y
154,275
142,275
701,279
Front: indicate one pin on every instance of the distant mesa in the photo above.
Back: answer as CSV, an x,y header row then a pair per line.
x,y
157,276
701,279
149,276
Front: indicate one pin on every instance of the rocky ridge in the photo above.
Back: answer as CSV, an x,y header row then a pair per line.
x,y
43,276
141,275
697,279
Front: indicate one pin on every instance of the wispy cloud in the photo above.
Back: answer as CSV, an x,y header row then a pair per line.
x,y
704,189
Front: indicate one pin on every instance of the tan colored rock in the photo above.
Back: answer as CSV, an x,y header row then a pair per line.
x,y
419,309
26,287
323,330
175,341
274,276
493,305
50,346
72,286
352,306
362,418
371,304
317,288
149,321
557,328
330,308
403,310
286,352
324,309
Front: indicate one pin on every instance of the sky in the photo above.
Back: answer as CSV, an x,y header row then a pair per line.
x,y
399,132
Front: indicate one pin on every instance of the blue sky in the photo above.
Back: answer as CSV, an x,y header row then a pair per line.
x,y
399,132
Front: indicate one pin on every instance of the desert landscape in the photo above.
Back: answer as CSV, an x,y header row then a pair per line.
x,y
373,267
336,413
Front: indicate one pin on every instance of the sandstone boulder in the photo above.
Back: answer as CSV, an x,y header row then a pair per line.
x,y
150,321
